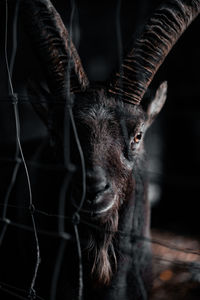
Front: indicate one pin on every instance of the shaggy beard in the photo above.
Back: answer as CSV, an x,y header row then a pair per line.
x,y
101,248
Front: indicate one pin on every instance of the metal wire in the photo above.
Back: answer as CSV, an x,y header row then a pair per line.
x,y
68,117
80,283
75,219
76,216
14,291
19,150
14,49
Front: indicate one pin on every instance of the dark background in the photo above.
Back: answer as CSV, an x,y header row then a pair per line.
x,y
177,129
173,142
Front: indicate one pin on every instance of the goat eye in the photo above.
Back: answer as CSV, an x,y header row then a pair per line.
x,y
135,140
137,137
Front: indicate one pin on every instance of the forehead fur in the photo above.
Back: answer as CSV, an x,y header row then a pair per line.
x,y
99,105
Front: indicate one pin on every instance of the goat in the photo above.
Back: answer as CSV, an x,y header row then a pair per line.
x,y
111,123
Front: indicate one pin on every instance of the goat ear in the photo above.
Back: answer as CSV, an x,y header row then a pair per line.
x,y
157,103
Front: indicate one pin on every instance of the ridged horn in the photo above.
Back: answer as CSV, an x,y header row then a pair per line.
x,y
160,34
54,47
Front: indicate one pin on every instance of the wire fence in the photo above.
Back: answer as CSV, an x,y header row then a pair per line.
x,y
29,207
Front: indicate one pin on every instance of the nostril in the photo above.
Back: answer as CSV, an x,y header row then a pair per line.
x,y
97,188
93,190
97,184
107,187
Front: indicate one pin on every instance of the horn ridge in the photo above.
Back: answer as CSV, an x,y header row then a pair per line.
x,y
160,34
53,45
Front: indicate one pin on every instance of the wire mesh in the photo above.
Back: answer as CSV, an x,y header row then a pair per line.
x,y
30,207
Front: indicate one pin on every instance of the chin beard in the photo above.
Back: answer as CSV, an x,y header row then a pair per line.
x,y
101,249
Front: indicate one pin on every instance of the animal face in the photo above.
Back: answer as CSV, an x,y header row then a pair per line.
x,y
111,134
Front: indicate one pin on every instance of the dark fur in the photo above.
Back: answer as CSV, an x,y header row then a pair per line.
x,y
99,120
116,264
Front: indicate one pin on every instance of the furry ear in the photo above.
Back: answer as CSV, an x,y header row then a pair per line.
x,y
157,103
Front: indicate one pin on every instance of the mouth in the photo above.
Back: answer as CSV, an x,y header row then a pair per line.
x,y
97,205
103,205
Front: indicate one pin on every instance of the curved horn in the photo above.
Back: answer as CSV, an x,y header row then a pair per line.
x,y
54,46
158,37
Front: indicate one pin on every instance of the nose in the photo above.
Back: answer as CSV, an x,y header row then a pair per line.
x,y
97,183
